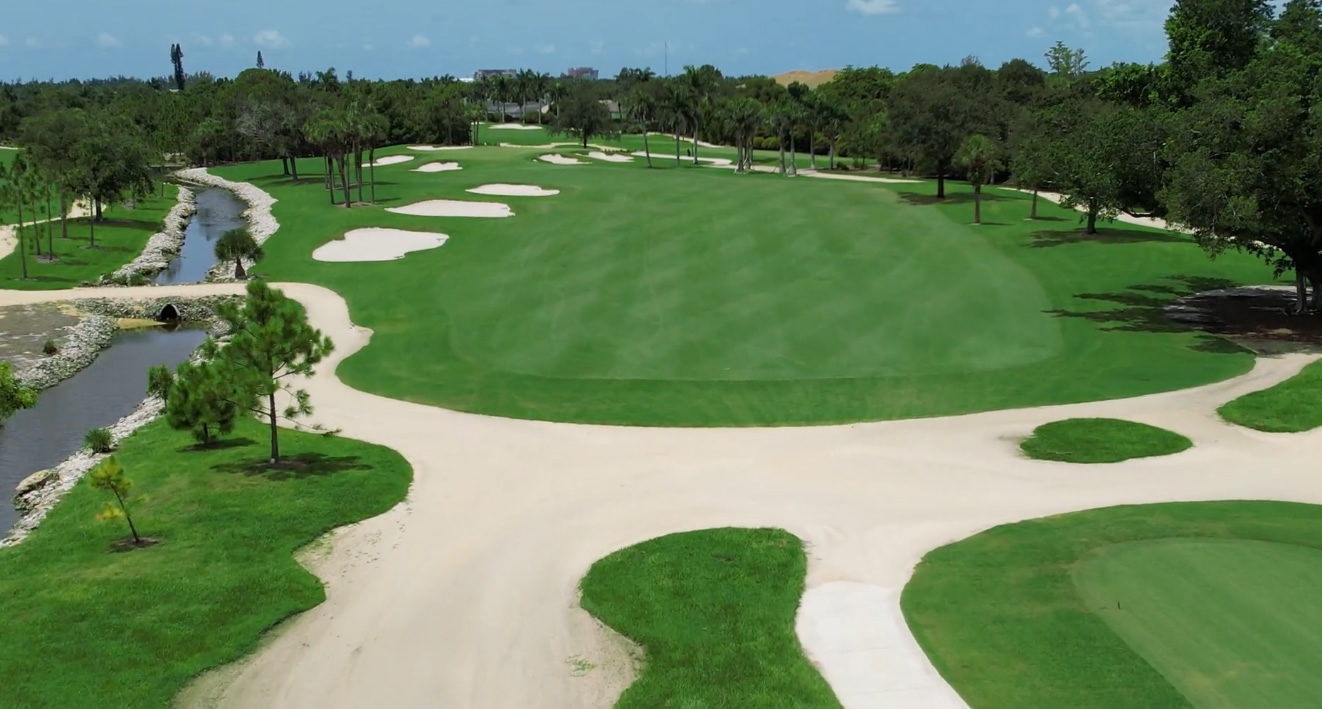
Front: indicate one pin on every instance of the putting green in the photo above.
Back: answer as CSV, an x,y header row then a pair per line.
x,y
700,297
1217,609
1232,624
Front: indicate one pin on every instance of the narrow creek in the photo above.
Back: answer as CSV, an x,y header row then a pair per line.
x,y
114,384
104,392
218,211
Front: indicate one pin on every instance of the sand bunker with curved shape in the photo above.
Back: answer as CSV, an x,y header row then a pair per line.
x,y
717,162
513,126
560,160
433,148
454,208
377,245
388,160
504,190
598,155
438,167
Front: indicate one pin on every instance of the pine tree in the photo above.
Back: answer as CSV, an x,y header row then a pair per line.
x,y
177,58
260,63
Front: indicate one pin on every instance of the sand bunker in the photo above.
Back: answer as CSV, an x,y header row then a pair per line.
x,y
560,160
388,160
598,155
433,148
717,162
454,208
512,126
438,167
377,245
503,190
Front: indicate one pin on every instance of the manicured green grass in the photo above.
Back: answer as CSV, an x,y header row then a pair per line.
x,y
1101,441
119,239
714,613
700,297
1232,624
86,626
1000,616
1293,406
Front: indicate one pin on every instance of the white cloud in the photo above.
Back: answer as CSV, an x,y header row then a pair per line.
x,y
227,40
873,7
516,50
1054,13
203,40
418,42
368,47
271,39
32,42
1035,32
598,45
105,40
545,49
4,41
1077,17
1133,15
474,41
741,50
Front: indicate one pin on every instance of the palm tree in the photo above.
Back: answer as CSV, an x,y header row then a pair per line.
x,y
700,81
558,91
500,85
744,115
980,159
237,245
643,104
781,118
676,106
375,130
13,192
542,85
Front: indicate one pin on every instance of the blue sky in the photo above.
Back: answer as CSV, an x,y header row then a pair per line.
x,y
85,38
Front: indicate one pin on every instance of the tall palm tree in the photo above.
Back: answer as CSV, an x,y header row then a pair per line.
x,y
501,86
676,106
11,195
542,84
237,245
558,91
744,115
700,82
643,104
980,158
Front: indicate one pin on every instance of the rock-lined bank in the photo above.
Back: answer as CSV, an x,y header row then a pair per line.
x,y
161,247
261,222
41,491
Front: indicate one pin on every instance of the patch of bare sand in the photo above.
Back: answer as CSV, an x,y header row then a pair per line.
x,y
454,208
377,244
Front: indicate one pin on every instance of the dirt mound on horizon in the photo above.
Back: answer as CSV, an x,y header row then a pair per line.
x,y
812,78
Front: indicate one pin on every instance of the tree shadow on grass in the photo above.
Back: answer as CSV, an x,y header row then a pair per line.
x,y
1142,308
218,445
1048,238
927,200
295,467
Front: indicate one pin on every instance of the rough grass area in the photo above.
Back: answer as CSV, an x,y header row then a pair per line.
x,y
1003,620
714,613
119,239
1101,441
86,626
1293,406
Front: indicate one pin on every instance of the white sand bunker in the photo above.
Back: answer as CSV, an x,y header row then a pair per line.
x,y
512,126
560,160
388,160
438,167
454,208
433,148
377,245
503,190
598,155
717,162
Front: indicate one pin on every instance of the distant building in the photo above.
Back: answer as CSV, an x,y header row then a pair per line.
x,y
481,74
582,72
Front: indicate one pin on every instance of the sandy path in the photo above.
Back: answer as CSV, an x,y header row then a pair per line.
x,y
685,139
465,595
713,162
389,160
8,240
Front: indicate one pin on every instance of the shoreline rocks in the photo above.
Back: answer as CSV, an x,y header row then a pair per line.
x,y
261,222
79,348
162,247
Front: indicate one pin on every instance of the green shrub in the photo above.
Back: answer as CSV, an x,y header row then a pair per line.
x,y
99,440
49,348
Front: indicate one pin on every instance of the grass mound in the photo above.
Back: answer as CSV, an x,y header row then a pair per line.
x,y
714,612
1293,406
83,623
1001,616
1101,441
